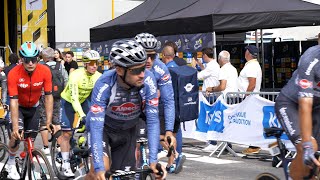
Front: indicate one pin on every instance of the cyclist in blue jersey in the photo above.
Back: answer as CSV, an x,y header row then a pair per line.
x,y
118,98
168,124
298,110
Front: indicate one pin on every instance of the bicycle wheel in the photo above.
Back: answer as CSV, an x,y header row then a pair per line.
x,y
267,176
40,167
4,151
146,174
56,157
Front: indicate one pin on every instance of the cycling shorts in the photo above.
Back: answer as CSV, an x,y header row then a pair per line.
x,y
67,113
56,114
120,145
28,119
176,126
287,113
142,130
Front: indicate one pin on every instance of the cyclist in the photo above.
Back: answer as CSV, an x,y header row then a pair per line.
x,y
166,105
118,99
297,108
25,84
75,100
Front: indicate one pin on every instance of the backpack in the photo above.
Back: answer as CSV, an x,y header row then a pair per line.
x,y
186,92
57,80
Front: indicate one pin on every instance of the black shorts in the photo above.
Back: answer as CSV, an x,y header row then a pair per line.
x,y
29,119
142,130
176,126
120,145
287,113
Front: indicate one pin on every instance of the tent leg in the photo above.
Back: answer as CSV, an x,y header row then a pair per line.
x,y
214,42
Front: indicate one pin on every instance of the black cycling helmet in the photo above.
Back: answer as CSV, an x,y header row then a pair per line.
x,y
147,40
127,53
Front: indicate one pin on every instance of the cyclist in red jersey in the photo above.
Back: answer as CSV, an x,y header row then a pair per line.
x,y
25,84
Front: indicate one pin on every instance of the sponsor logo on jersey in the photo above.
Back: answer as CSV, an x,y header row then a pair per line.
x,y
96,109
150,83
304,84
154,101
22,85
102,89
37,84
159,70
21,80
312,64
166,77
125,108
188,87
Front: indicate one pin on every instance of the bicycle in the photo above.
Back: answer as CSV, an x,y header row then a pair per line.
x,y
144,174
79,155
282,151
33,161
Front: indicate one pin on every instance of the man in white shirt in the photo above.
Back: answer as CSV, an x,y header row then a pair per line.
x,y
228,75
210,77
210,74
250,81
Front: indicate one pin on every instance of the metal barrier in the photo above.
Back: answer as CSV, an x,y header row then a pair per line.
x,y
234,98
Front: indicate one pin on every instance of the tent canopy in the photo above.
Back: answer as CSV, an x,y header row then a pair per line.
x,y
169,17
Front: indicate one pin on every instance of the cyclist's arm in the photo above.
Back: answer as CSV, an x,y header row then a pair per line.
x,y
167,98
4,89
74,89
95,119
152,117
305,116
14,104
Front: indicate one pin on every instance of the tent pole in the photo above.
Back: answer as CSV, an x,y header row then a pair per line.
x,y
112,9
262,59
214,44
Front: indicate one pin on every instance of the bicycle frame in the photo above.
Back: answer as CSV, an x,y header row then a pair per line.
x,y
144,161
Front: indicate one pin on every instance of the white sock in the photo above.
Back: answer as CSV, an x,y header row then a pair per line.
x,y
65,156
11,159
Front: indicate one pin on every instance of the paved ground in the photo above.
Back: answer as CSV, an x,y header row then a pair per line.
x,y
200,166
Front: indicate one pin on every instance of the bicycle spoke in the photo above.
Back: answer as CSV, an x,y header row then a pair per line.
x,y
41,168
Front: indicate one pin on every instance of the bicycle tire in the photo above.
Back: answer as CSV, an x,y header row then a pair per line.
x,y
3,139
146,174
53,154
5,149
267,176
39,153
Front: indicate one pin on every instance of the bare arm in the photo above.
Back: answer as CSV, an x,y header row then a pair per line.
x,y
305,118
252,84
49,108
222,86
14,109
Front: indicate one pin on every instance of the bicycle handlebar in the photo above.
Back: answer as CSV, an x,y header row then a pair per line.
x,y
17,141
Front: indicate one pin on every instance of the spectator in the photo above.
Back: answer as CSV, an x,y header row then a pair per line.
x,y
3,83
48,55
69,63
249,80
58,56
176,59
210,77
14,60
227,77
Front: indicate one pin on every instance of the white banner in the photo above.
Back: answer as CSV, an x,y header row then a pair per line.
x,y
241,123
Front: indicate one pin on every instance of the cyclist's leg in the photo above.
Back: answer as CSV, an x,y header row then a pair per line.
x,y
123,144
170,167
43,123
288,115
67,116
56,116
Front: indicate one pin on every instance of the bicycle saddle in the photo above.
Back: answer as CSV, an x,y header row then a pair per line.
x,y
273,131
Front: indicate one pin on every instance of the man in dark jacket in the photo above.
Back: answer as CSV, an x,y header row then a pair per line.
x,y
176,59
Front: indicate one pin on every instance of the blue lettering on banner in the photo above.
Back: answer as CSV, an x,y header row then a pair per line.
x,y
270,120
211,118
239,118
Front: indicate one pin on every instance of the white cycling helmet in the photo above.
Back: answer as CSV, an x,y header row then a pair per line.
x,y
90,55
147,40
127,53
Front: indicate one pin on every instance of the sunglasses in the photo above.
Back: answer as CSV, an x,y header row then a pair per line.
x,y
152,56
28,59
137,71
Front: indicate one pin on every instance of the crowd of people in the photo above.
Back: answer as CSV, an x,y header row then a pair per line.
x,y
48,88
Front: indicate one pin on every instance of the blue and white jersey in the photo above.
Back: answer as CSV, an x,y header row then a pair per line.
x,y
164,83
119,108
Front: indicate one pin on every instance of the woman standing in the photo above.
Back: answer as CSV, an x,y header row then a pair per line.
x,y
58,56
